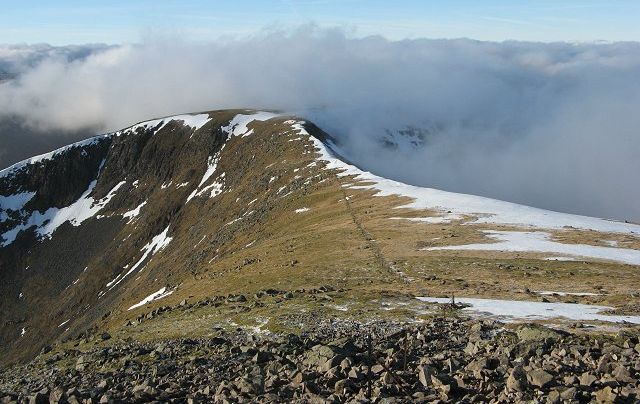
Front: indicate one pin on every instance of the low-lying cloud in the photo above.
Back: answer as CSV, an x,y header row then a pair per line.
x,y
550,125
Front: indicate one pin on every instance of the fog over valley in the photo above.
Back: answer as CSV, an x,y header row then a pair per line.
x,y
552,125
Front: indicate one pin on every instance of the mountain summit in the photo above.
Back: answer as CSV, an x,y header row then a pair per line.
x,y
109,234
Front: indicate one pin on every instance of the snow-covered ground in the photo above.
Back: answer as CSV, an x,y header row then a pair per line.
x,y
154,296
238,125
76,213
511,310
195,121
15,202
132,214
538,241
216,186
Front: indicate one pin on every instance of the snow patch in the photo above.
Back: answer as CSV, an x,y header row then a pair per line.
x,y
76,213
340,307
132,214
560,259
447,218
238,125
302,210
14,203
154,296
511,310
216,186
538,241
196,122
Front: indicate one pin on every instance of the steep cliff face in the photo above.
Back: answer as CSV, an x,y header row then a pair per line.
x,y
96,234
82,224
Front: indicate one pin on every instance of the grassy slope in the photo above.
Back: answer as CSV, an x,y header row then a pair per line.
x,y
353,245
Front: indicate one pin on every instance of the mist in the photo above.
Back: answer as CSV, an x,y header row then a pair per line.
x,y
552,125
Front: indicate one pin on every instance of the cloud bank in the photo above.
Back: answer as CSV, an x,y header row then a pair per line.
x,y
549,125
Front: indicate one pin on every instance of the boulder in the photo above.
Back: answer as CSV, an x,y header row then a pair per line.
x,y
517,380
606,395
539,378
262,357
424,375
587,379
536,332
57,395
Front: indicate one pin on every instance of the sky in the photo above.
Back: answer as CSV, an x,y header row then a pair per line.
x,y
536,104
64,22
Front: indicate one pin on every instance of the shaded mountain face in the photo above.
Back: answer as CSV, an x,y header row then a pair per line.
x,y
192,206
97,213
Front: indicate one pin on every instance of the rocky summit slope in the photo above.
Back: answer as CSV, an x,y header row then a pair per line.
x,y
443,360
252,221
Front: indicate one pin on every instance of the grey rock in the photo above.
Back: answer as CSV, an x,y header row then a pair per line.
x,y
539,378
262,357
622,374
569,394
535,332
517,380
331,363
606,395
553,397
587,379
424,376
377,369
343,386
57,395
346,363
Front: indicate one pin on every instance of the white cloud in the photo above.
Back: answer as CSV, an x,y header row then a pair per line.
x,y
552,125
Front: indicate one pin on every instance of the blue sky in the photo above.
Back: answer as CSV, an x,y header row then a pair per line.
x,y
74,21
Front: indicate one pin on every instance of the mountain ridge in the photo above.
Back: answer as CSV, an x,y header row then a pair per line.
x,y
237,201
